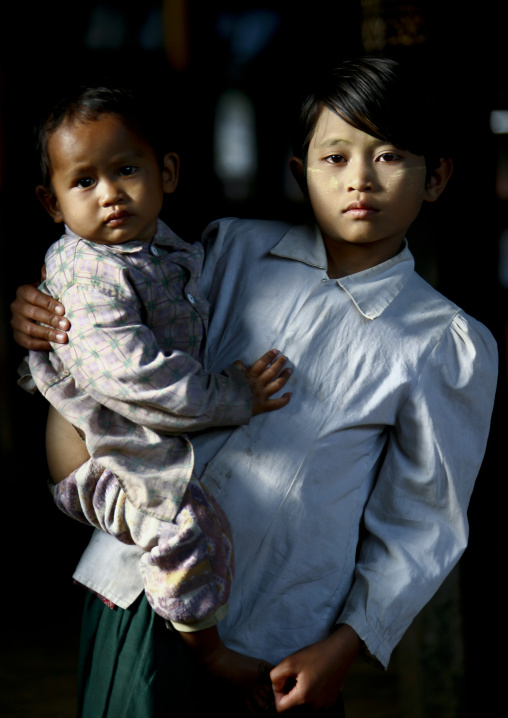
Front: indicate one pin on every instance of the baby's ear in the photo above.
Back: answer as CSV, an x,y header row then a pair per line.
x,y
438,179
49,202
170,171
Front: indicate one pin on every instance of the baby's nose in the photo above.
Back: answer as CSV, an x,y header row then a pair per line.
x,y
110,192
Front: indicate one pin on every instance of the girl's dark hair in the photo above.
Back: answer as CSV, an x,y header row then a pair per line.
x,y
382,98
91,103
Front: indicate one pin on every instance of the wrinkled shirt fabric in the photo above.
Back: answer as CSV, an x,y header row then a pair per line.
x,y
349,505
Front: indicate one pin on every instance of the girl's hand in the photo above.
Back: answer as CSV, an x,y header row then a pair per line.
x,y
32,306
266,378
314,676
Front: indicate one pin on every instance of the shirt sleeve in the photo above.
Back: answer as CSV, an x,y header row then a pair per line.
x,y
416,517
115,359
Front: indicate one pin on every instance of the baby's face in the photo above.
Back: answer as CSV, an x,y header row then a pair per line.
x,y
107,184
363,190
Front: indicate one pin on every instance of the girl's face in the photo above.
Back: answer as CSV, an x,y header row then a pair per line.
x,y
364,192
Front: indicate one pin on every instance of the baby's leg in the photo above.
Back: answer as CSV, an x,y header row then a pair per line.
x,y
187,567
245,678
188,576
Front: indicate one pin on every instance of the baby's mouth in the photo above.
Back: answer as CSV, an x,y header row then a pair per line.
x,y
117,217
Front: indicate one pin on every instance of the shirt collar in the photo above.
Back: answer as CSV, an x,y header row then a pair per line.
x,y
371,291
163,236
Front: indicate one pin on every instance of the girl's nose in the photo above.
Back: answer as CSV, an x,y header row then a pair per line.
x,y
361,177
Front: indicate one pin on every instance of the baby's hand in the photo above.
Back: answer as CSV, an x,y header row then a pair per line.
x,y
266,378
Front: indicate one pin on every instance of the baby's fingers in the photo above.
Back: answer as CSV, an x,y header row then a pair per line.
x,y
274,385
261,364
269,374
274,369
278,403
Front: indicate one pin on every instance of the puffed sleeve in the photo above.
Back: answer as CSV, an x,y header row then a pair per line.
x,y
416,517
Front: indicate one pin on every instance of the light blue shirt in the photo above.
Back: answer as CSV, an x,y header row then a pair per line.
x,y
348,505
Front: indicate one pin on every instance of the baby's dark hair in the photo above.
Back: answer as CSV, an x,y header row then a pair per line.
x,y
382,98
92,103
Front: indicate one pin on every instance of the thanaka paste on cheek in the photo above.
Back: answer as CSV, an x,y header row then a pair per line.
x,y
413,176
319,176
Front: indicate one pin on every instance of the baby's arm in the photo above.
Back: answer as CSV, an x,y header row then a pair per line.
x,y
116,360
113,360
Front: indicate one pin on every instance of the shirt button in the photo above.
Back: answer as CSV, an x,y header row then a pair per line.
x,y
191,299
154,250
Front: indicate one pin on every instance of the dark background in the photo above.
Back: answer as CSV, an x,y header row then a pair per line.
x,y
190,54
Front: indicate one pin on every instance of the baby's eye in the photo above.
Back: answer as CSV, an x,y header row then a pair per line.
x,y
85,182
126,171
336,159
389,157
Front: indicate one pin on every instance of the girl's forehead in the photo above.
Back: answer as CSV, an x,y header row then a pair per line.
x,y
332,129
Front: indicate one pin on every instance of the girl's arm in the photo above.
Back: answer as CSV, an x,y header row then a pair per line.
x,y
415,520
37,319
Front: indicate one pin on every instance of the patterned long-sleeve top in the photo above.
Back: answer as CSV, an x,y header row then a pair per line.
x,y
130,377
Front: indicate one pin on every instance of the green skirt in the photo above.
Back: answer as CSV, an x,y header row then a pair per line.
x,y
132,666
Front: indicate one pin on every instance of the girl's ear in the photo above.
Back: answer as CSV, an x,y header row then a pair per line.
x,y
298,171
49,202
170,170
438,179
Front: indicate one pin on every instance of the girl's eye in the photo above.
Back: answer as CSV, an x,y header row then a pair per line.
x,y
389,157
85,182
336,159
126,171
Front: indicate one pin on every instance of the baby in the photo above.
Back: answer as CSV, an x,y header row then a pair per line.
x,y
131,369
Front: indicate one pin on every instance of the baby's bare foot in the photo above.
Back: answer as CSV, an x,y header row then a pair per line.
x,y
261,699
246,680
250,677
234,667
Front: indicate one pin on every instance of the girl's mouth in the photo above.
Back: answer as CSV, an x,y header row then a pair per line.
x,y
360,210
